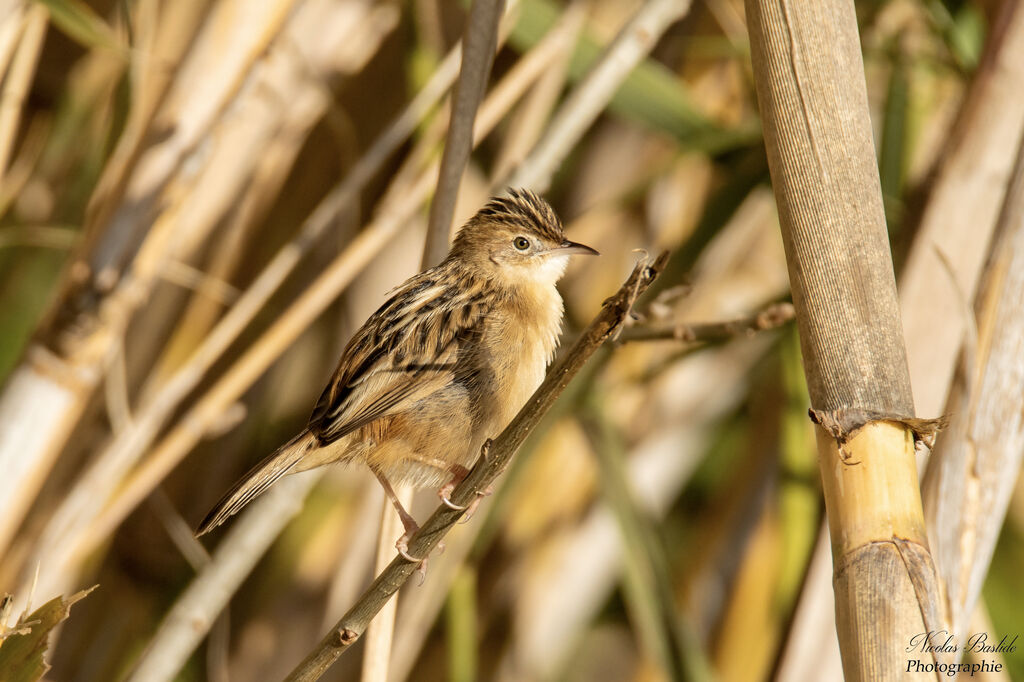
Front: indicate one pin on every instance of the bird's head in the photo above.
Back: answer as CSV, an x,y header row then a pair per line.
x,y
517,236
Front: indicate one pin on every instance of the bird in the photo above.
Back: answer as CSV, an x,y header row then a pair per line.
x,y
442,366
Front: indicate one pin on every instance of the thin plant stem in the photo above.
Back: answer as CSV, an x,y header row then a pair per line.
x,y
645,566
461,627
380,634
480,39
775,315
17,80
590,98
194,612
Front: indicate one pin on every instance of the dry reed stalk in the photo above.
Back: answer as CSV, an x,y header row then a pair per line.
x,y
12,13
956,229
202,313
378,651
957,223
977,460
527,124
421,608
811,649
350,574
19,173
31,392
161,37
188,621
479,39
26,30
811,90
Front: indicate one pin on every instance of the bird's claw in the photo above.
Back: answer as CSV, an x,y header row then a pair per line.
x,y
402,545
403,551
458,476
471,509
445,494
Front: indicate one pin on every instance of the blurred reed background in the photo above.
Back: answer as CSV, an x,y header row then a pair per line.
x,y
199,201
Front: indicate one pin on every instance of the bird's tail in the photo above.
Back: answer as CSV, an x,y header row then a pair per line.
x,y
257,480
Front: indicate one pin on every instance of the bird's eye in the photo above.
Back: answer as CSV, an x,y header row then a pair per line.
x,y
521,243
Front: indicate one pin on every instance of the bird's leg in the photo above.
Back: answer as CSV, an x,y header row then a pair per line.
x,y
407,521
459,474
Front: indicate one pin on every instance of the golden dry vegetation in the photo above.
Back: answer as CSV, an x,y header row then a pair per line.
x,y
200,201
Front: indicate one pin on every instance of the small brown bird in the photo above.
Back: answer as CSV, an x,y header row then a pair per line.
x,y
444,364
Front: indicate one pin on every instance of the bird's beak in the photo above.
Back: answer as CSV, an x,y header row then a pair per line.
x,y
567,247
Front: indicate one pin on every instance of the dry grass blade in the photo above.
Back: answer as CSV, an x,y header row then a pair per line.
x,y
187,623
16,80
494,458
380,634
480,40
527,124
592,95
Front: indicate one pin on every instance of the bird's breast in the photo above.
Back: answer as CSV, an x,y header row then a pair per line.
x,y
521,345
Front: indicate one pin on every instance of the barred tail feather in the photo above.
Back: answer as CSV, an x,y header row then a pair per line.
x,y
257,480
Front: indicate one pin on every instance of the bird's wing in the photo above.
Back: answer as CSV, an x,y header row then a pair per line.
x,y
406,351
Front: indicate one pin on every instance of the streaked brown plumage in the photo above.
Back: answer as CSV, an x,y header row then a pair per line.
x,y
443,365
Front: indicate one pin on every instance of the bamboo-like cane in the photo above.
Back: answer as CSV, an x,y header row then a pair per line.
x,y
941,272
813,99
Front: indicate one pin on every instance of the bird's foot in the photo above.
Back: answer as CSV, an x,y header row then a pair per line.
x,y
458,476
402,545
403,550
472,507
